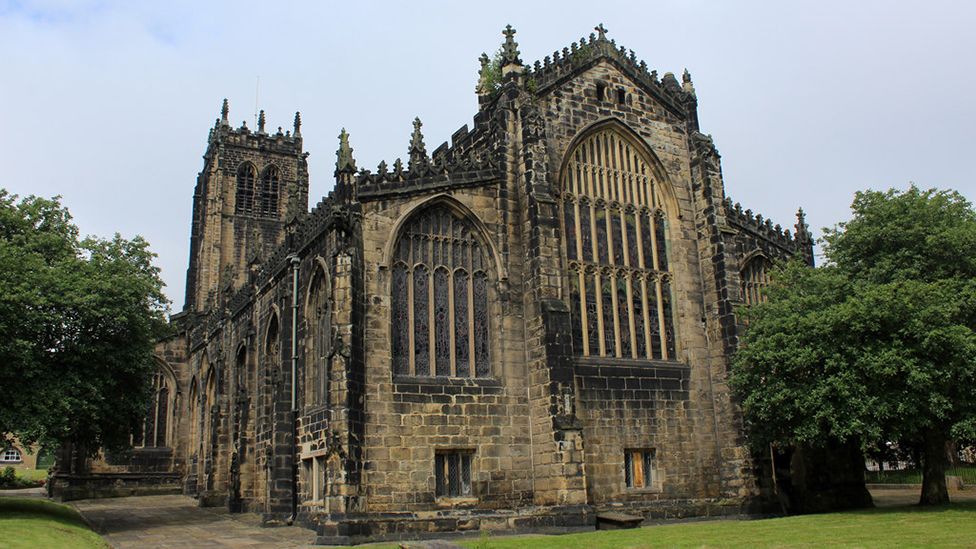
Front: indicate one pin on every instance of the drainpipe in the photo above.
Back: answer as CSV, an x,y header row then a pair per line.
x,y
295,261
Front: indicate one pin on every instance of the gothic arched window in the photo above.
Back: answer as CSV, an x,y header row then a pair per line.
x,y
266,200
272,365
615,231
440,294
155,423
317,319
246,176
755,278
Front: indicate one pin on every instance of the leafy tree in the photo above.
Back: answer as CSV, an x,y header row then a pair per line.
x,y
78,319
877,345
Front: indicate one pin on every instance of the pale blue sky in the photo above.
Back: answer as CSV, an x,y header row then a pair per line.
x,y
108,103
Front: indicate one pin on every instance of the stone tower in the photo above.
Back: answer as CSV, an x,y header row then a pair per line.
x,y
252,186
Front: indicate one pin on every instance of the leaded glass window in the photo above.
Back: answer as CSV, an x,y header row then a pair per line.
x,y
616,234
440,320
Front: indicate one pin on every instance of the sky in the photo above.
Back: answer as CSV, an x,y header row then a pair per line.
x,y
108,103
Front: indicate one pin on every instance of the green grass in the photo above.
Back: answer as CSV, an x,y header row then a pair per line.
x,y
32,474
950,526
30,523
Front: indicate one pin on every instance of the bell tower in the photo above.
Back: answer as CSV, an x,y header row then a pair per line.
x,y
252,185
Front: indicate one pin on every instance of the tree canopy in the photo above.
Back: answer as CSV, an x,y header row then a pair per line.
x,y
879,344
78,319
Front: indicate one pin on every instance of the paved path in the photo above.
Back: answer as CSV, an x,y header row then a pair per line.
x,y
899,497
176,522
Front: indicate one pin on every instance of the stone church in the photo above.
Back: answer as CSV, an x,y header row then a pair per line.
x,y
527,326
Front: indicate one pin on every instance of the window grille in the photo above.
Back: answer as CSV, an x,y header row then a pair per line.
x,y
11,455
452,473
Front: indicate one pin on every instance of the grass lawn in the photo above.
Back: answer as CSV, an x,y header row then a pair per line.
x,y
30,523
950,526
32,474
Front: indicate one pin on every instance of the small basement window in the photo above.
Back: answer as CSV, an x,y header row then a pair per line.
x,y
452,471
639,468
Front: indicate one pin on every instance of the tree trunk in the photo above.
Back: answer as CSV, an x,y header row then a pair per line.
x,y
934,490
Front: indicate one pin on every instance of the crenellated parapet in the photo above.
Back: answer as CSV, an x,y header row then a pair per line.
x,y
283,142
468,159
799,242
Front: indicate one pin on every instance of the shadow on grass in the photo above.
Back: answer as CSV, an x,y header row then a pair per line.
x,y
33,506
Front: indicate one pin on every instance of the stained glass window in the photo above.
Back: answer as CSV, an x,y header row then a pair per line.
x,y
610,180
440,299
421,321
640,339
482,368
606,302
401,321
462,361
442,327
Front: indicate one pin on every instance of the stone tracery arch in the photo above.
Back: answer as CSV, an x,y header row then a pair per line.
x,y
441,267
616,205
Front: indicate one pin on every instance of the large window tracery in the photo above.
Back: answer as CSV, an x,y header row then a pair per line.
x,y
616,242
439,301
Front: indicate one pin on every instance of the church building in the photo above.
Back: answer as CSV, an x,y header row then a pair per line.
x,y
521,329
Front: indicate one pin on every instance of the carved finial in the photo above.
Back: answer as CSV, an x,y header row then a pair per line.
x,y
381,169
344,159
686,84
801,225
243,125
601,31
298,124
510,52
398,168
261,121
483,86
279,131
418,151
224,113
